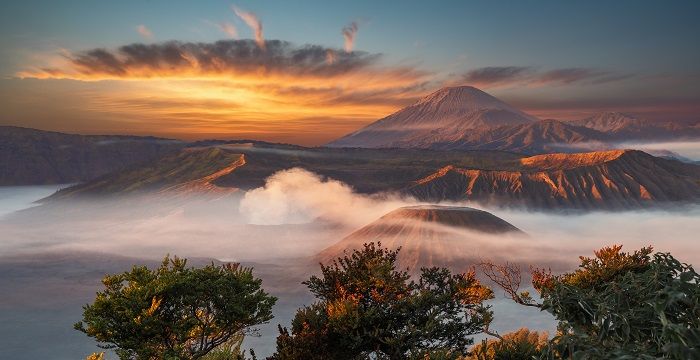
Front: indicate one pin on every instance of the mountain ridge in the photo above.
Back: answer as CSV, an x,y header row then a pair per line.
x,y
37,157
616,179
608,180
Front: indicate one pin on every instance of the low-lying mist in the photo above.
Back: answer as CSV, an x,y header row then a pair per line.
x,y
688,150
298,213
294,216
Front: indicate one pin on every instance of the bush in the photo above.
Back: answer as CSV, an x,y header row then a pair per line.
x,y
620,305
175,312
519,345
367,309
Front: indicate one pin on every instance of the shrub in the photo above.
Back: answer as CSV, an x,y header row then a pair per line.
x,y
621,305
367,309
175,311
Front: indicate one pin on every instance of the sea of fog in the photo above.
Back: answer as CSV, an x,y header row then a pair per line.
x,y
53,257
14,198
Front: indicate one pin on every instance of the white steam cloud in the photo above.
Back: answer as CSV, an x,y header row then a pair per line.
x,y
253,22
689,150
349,32
298,196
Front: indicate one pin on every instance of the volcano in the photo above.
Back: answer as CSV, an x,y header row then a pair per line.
x,y
446,115
428,235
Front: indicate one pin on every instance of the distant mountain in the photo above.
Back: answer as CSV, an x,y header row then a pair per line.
x,y
428,235
192,169
625,127
610,122
597,180
32,157
621,179
446,115
241,165
469,119
532,138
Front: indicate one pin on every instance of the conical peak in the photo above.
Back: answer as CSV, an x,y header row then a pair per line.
x,y
461,96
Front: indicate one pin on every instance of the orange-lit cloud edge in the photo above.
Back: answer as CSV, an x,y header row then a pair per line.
x,y
279,91
237,88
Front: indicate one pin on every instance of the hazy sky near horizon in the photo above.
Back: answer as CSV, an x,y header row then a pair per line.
x,y
307,72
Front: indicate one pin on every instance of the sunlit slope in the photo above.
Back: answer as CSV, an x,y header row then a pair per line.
x,y
597,180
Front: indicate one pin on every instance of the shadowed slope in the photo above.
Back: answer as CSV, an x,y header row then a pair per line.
x,y
532,138
33,157
190,169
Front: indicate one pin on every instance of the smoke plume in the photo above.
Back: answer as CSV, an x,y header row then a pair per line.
x,y
253,22
349,33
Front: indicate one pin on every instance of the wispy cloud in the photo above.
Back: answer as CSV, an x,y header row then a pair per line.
x,y
228,29
253,22
500,76
145,32
349,32
497,75
657,108
569,75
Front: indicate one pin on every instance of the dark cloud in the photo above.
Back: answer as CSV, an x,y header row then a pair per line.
x,y
653,108
569,75
221,57
495,76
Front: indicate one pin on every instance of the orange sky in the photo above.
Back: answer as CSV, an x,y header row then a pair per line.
x,y
306,95
195,70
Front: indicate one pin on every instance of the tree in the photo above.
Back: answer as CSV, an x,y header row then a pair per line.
x,y
621,304
365,308
230,350
175,311
617,305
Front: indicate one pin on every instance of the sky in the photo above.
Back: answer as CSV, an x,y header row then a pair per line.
x,y
308,72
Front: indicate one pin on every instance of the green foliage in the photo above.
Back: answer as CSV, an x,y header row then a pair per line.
x,y
175,312
368,309
625,306
519,345
230,350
